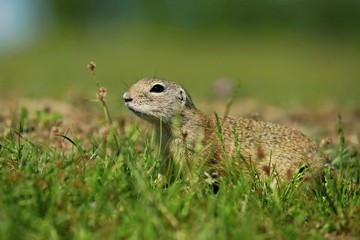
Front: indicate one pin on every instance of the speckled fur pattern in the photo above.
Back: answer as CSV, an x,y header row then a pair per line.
x,y
191,139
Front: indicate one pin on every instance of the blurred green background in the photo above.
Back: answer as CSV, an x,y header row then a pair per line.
x,y
279,51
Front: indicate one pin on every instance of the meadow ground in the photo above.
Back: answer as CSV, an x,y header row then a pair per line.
x,y
65,174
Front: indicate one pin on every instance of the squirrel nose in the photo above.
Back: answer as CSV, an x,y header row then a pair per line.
x,y
127,98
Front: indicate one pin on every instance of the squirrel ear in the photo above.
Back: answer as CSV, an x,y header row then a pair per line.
x,y
182,96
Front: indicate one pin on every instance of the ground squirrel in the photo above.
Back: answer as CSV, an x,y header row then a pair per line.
x,y
191,139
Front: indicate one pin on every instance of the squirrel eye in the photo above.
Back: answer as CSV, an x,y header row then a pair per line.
x,y
157,88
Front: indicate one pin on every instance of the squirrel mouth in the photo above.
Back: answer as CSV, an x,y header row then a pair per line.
x,y
133,110
137,112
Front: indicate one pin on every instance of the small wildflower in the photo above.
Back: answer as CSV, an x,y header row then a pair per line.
x,y
91,66
101,94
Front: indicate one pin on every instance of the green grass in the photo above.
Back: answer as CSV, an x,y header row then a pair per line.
x,y
100,191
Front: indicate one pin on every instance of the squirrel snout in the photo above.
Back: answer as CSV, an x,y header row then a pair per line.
x,y
127,98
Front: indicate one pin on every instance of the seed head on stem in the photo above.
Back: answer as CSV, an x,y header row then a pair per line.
x,y
92,66
101,94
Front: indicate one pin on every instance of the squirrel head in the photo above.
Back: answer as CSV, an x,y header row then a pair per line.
x,y
157,100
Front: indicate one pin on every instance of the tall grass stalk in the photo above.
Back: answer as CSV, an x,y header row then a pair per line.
x,y
101,94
